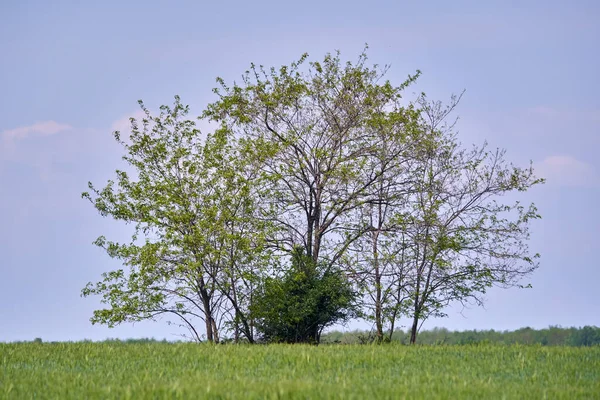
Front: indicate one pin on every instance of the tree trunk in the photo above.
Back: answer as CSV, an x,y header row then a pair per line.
x,y
417,308
392,325
246,327
413,330
208,322
378,301
215,331
415,325
317,234
236,330
208,319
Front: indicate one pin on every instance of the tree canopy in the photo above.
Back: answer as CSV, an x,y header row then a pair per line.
x,y
323,194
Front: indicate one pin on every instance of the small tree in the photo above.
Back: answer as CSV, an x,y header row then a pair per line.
x,y
375,261
459,239
192,201
298,306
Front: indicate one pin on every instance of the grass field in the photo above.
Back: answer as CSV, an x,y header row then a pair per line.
x,y
185,370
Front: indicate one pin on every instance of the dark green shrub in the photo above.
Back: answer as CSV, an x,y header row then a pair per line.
x,y
296,307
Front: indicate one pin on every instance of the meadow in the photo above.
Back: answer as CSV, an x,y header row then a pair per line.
x,y
393,371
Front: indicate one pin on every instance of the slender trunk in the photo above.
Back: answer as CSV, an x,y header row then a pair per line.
x,y
309,236
392,324
316,237
413,330
378,321
251,328
246,328
310,224
378,274
378,305
417,309
418,305
316,247
248,331
317,223
319,332
420,301
236,330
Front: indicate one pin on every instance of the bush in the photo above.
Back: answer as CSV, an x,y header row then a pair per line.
x,y
298,306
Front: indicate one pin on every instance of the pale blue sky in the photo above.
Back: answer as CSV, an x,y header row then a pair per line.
x,y
71,71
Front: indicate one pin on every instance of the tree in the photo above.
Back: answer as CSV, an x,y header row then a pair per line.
x,y
317,133
376,259
459,239
298,306
197,244
339,138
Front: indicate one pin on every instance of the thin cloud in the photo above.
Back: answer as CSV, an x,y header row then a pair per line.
x,y
565,170
45,128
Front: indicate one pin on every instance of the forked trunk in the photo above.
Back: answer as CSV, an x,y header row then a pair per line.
x,y
211,326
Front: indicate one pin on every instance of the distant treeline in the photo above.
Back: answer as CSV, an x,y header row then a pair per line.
x,y
552,336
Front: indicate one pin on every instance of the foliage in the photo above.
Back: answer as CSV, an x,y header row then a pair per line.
x,y
318,129
184,370
326,156
305,300
439,233
587,336
191,200
460,239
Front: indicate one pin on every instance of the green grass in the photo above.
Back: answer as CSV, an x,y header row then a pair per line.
x,y
182,370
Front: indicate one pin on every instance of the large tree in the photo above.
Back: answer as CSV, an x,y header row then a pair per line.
x,y
322,127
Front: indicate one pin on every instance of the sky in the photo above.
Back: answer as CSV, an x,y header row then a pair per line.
x,y
71,72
